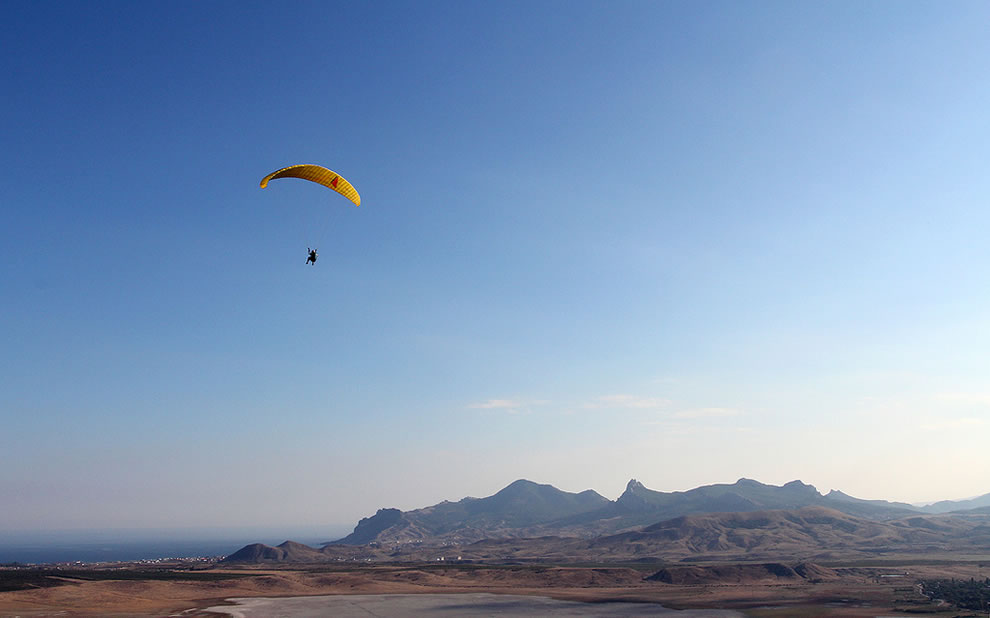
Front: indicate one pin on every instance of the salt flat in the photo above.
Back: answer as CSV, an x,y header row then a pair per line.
x,y
409,605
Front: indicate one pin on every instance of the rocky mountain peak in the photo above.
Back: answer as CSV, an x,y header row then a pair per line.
x,y
634,485
520,486
744,482
797,485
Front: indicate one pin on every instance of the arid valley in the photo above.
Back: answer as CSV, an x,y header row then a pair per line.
x,y
752,589
785,551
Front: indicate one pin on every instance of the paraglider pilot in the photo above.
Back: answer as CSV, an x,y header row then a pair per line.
x,y
312,256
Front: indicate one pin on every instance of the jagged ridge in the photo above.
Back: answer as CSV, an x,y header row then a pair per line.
x,y
588,522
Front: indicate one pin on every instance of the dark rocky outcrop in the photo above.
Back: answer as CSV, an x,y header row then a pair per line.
x,y
741,573
289,551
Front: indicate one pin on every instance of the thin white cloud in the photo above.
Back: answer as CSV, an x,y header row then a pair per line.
x,y
628,401
495,404
707,413
509,406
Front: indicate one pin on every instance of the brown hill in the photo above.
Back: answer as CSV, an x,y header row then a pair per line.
x,y
806,532
289,551
742,574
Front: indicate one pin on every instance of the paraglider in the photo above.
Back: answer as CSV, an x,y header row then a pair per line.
x,y
319,175
322,176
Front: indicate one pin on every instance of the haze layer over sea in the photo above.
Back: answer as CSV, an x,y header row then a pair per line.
x,y
42,547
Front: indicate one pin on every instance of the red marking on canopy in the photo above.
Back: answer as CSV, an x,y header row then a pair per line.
x,y
334,181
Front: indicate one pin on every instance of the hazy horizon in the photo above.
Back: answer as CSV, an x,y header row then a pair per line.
x,y
330,530
185,533
678,242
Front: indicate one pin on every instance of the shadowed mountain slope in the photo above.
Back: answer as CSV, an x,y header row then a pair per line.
x,y
948,506
774,532
528,509
808,533
742,520
515,509
742,573
749,495
743,495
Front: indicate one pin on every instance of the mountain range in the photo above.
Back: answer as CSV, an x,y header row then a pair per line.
x,y
528,509
531,521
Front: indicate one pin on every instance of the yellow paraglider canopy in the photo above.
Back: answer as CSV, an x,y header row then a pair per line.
x,y
319,175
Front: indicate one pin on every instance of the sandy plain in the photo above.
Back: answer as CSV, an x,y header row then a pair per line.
x,y
861,591
474,605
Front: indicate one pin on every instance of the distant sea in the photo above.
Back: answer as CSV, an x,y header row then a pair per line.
x,y
105,546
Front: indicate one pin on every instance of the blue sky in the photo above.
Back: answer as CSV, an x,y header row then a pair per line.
x,y
682,242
